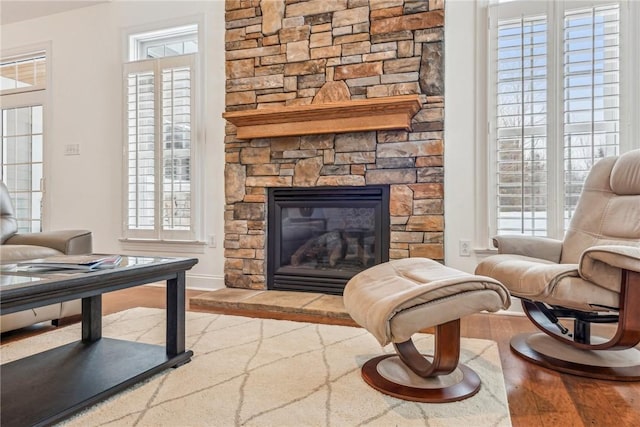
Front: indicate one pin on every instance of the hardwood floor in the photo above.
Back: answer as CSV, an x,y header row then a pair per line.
x,y
537,397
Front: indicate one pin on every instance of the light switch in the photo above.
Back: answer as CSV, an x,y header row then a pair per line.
x,y
72,149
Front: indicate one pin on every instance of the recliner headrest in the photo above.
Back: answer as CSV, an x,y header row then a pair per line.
x,y
625,175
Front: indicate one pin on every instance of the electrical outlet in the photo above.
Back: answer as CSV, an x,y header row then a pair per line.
x,y
465,247
212,241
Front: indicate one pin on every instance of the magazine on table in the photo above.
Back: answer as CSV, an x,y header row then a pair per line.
x,y
74,262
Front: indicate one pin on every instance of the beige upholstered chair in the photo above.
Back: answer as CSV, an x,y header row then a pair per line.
x,y
16,247
592,276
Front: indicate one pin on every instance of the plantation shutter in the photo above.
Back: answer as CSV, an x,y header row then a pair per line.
x,y
141,150
591,94
159,147
555,85
176,137
521,125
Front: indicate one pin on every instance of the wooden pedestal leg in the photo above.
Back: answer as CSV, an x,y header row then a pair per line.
x,y
423,388
445,355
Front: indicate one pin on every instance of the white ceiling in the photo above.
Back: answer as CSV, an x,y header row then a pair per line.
x,y
21,10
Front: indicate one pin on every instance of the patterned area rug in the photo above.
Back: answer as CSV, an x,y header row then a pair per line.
x,y
263,372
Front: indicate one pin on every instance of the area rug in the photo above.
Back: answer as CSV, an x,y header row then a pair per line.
x,y
264,372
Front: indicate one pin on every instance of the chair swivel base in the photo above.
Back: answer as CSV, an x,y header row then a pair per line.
x,y
389,375
543,350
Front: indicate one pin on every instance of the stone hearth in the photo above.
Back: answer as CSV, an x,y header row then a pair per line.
x,y
302,306
281,53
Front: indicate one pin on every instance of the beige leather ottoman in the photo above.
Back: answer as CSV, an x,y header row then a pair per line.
x,y
396,299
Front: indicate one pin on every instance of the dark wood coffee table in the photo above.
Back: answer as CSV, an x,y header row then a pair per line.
x,y
47,387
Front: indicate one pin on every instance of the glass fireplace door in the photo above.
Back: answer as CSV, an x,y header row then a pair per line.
x,y
319,238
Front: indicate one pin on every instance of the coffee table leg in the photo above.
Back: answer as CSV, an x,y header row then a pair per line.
x,y
92,318
176,315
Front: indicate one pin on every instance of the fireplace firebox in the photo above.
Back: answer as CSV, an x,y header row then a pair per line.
x,y
320,237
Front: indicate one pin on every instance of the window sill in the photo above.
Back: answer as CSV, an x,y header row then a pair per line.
x,y
172,246
481,253
485,251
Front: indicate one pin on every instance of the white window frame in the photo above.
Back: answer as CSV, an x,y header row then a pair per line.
x,y
27,55
175,238
485,107
36,95
150,38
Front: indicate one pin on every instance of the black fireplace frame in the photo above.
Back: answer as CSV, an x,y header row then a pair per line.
x,y
307,280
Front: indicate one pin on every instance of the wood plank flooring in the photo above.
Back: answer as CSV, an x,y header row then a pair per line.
x,y
537,397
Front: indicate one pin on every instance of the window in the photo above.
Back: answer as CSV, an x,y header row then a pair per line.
x,y
23,73
555,96
23,83
160,135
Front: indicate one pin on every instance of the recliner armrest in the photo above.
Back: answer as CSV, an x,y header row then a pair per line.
x,y
603,264
69,242
530,246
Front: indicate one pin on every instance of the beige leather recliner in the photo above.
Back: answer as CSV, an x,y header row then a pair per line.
x,y
16,247
591,276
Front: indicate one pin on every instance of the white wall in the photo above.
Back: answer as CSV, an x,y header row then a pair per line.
x,y
85,108
464,85
463,82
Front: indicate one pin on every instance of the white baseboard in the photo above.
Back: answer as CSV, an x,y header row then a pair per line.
x,y
515,309
204,282
200,282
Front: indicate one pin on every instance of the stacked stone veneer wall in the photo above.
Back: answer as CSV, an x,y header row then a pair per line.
x,y
281,53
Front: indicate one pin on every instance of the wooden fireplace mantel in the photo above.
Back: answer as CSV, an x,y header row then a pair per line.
x,y
394,112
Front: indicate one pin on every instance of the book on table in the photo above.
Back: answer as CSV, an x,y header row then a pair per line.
x,y
74,262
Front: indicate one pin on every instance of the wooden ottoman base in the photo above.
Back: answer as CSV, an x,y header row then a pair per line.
x,y
412,376
389,375
395,300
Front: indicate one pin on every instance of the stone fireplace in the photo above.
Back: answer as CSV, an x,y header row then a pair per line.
x,y
294,57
